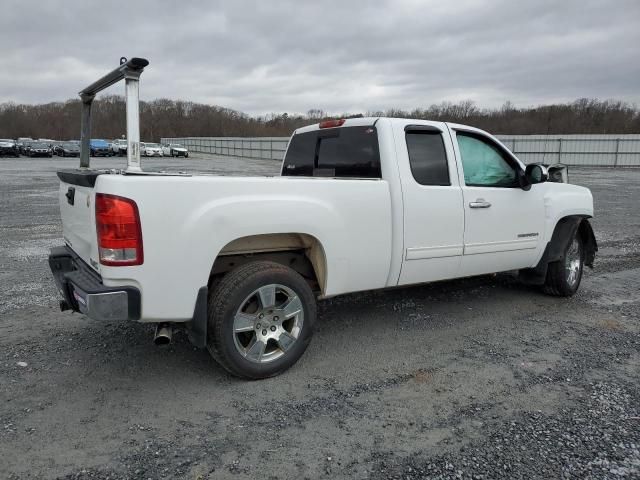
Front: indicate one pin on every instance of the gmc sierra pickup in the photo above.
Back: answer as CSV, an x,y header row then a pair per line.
x,y
360,204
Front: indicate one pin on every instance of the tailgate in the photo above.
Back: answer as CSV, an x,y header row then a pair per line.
x,y
76,198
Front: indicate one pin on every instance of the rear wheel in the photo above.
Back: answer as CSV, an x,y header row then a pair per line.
x,y
564,276
261,318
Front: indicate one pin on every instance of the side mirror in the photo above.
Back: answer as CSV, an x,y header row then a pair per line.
x,y
534,173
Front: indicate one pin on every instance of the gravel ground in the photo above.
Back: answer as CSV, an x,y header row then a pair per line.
x,y
474,378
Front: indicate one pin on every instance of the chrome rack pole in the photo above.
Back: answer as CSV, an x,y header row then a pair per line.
x,y
132,95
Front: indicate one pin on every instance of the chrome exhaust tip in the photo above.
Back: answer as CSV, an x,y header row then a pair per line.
x,y
164,332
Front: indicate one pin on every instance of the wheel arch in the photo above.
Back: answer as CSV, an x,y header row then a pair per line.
x,y
302,252
564,230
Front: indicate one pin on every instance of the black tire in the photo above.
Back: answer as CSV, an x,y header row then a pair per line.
x,y
560,280
231,293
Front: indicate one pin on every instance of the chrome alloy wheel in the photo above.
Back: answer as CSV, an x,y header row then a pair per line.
x,y
573,262
268,323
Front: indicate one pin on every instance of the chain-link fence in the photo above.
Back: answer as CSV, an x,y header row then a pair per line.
x,y
588,150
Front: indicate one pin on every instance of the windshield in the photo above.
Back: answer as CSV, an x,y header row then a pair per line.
x,y
177,145
39,145
153,145
70,145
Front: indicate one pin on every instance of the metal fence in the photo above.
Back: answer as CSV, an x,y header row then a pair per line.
x,y
267,148
586,150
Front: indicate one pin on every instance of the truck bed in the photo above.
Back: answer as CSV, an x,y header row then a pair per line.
x,y
187,220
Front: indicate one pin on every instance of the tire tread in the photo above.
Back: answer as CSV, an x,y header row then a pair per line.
x,y
218,302
555,283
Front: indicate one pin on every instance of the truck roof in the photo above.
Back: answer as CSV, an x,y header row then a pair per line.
x,y
365,121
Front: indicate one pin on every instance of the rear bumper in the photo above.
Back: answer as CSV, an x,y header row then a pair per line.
x,y
83,291
101,153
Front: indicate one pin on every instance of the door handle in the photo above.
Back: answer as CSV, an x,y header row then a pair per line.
x,y
71,195
479,203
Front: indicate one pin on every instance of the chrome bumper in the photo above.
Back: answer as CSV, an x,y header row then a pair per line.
x,y
83,291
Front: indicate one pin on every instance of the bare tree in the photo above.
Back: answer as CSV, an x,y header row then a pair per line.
x,y
178,118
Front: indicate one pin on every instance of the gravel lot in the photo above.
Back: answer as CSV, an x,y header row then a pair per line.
x,y
477,378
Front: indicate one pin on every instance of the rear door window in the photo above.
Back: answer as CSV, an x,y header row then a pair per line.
x,y
427,157
350,152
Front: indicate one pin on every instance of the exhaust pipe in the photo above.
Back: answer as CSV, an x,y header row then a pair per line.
x,y
164,332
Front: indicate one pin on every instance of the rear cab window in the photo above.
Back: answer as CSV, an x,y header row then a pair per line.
x,y
341,152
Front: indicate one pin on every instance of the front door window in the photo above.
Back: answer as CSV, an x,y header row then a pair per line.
x,y
483,164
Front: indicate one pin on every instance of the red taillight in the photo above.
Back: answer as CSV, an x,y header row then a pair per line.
x,y
332,123
119,232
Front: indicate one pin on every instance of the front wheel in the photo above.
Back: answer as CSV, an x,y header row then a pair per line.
x,y
261,318
564,276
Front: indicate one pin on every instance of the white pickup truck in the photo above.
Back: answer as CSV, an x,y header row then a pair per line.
x,y
361,204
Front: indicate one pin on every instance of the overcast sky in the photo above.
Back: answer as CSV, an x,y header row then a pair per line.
x,y
339,56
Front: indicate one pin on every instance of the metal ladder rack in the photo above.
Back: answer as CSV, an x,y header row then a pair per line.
x,y
130,71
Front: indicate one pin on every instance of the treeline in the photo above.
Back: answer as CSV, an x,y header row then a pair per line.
x,y
177,118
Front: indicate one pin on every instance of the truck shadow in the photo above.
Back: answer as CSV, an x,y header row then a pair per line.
x,y
119,352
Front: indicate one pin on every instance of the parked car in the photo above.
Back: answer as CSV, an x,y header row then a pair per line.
x,y
361,204
67,149
39,149
174,150
47,141
119,147
22,143
9,147
150,149
99,148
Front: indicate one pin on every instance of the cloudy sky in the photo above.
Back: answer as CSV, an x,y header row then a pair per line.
x,y
339,56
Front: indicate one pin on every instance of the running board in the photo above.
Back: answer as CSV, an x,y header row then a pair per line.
x,y
130,71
